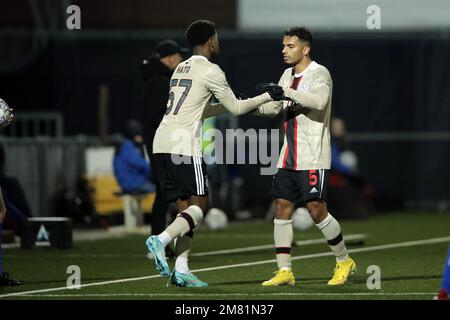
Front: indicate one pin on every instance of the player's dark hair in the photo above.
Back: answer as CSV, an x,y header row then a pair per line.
x,y
199,32
302,33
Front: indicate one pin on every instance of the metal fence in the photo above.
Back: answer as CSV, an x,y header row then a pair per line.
x,y
35,124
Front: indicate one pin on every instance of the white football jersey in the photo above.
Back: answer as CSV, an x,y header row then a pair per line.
x,y
307,123
192,86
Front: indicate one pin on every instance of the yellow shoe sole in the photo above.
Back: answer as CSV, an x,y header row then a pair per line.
x,y
290,283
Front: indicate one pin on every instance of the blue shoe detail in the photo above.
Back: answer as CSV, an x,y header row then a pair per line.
x,y
186,280
157,249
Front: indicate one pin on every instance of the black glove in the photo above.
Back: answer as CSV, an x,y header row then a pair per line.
x,y
274,90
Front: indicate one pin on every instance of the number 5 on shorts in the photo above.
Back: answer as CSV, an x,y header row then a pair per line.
x,y
312,177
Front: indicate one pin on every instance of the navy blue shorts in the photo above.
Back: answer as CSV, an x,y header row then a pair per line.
x,y
300,186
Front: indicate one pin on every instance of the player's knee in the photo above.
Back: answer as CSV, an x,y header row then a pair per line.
x,y
283,209
2,215
317,210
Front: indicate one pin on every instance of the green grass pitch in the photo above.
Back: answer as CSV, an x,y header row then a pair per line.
x,y
118,268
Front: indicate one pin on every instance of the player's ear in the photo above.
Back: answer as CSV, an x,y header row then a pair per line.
x,y
306,50
211,42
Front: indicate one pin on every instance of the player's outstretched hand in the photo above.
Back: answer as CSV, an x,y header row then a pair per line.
x,y
274,90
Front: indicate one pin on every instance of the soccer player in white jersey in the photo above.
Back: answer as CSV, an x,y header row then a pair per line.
x,y
178,160
305,158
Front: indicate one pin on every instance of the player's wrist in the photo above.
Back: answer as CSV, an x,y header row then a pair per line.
x,y
266,96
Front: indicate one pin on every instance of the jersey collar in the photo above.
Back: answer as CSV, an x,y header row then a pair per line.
x,y
310,66
197,56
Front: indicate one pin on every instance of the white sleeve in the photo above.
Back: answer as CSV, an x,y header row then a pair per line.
x,y
318,95
217,83
269,109
212,110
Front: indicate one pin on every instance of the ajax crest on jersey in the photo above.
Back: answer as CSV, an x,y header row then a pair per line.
x,y
304,87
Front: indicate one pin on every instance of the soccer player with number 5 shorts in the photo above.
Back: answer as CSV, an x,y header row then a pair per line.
x,y
305,92
179,165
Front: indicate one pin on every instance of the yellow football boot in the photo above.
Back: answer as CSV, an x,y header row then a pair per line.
x,y
342,271
282,277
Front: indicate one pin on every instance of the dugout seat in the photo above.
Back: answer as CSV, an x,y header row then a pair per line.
x,y
109,199
133,215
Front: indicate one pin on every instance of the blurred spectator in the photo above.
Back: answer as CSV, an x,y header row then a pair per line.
x,y
157,72
131,167
16,194
14,198
349,195
5,278
343,160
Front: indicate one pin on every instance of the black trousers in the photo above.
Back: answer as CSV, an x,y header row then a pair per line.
x,y
160,206
159,212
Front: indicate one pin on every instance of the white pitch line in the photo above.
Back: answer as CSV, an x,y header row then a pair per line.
x,y
316,255
231,294
210,253
271,246
357,236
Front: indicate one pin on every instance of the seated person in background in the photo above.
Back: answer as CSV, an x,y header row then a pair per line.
x,y
131,167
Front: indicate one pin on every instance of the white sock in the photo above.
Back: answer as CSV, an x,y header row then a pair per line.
x,y
181,265
283,235
332,232
185,221
165,238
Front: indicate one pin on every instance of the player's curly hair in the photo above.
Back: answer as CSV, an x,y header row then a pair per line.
x,y
199,32
301,32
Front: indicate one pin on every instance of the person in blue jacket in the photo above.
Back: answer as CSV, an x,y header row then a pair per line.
x,y
131,165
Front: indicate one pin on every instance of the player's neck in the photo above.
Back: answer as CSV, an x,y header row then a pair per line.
x,y
302,65
203,53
